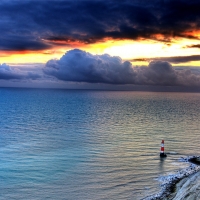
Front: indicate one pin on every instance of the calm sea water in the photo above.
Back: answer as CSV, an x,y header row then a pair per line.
x,y
62,144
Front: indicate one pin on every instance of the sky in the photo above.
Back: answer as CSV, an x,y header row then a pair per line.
x,y
100,44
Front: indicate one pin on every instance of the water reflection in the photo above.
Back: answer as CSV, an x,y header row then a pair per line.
x,y
161,163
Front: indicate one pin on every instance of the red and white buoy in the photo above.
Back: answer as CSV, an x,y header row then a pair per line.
x,y
162,151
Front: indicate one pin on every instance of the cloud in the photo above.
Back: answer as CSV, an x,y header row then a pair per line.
x,y
8,73
80,66
80,69
36,25
157,73
193,46
163,74
21,43
172,59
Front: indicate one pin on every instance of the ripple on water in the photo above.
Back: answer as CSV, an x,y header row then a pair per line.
x,y
92,144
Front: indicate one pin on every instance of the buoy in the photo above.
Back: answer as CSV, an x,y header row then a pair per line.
x,y
162,151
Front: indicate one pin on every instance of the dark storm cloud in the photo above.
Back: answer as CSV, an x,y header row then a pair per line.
x,y
15,43
80,66
193,46
41,22
172,59
9,73
180,59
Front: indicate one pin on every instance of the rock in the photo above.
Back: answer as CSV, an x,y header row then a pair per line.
x,y
188,188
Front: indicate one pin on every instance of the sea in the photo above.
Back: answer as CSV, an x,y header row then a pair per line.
x,y
85,144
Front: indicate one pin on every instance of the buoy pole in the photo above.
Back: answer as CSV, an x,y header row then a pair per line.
x,y
162,151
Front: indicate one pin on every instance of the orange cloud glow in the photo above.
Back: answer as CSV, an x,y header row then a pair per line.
x,y
139,51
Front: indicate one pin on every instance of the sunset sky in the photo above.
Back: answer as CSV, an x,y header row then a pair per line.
x,y
99,43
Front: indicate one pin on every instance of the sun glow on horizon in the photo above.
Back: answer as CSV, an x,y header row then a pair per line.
x,y
139,50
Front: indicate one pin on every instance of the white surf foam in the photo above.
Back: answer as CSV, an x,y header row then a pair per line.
x,y
167,182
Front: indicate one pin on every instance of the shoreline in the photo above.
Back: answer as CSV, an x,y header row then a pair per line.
x,y
183,185
187,188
